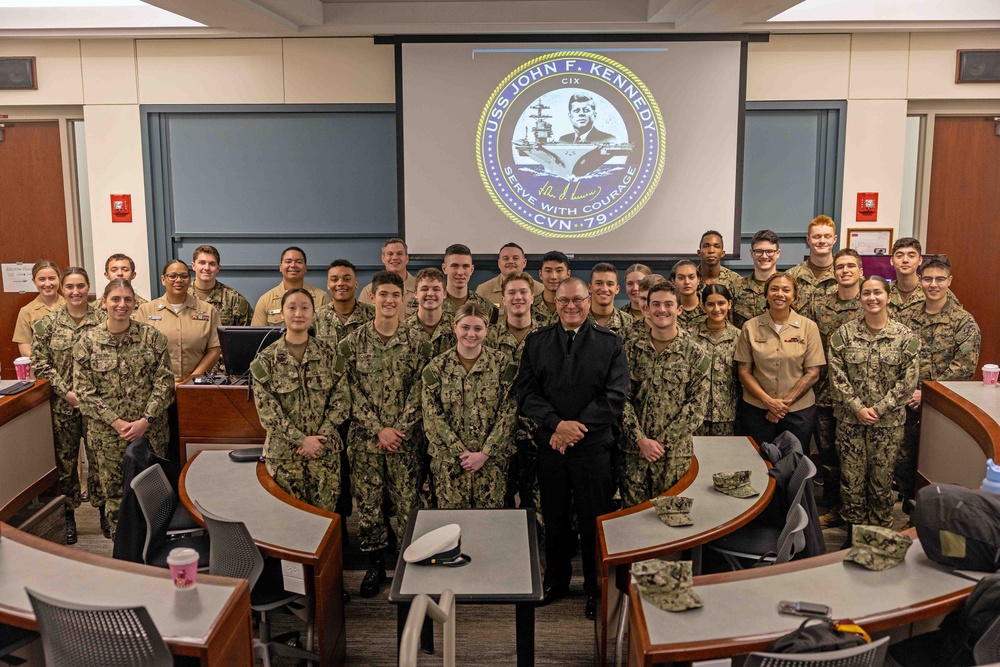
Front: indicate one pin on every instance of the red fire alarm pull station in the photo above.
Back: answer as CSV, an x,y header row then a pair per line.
x,y
867,207
121,208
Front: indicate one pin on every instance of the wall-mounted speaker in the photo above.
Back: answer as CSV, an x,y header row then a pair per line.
x,y
978,66
18,74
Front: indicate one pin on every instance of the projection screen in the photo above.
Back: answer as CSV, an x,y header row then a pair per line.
x,y
608,149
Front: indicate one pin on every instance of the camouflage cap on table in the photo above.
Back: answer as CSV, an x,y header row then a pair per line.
x,y
877,548
674,510
666,584
736,484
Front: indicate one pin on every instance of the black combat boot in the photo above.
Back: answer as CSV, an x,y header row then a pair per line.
x,y
105,524
375,576
70,527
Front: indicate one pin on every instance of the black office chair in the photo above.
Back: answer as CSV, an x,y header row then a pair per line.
x,y
168,524
84,636
767,545
234,554
866,655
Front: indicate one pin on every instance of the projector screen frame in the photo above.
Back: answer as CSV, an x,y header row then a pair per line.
x,y
745,38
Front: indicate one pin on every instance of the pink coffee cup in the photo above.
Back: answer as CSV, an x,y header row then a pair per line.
x,y
22,366
183,564
990,374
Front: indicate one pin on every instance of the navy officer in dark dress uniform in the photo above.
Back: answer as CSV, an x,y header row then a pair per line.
x,y
572,383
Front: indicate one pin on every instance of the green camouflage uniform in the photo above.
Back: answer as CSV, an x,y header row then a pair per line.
x,y
523,468
690,320
299,399
636,330
877,371
949,350
385,391
234,311
667,402
470,411
443,338
449,308
52,360
809,288
127,381
749,300
727,277
829,313
540,313
332,330
724,382
619,323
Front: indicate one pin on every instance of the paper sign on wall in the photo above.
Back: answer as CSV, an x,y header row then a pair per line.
x,y
17,278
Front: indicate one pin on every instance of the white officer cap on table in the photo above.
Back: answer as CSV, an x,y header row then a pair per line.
x,y
442,546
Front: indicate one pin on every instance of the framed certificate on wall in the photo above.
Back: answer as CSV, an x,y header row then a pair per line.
x,y
870,241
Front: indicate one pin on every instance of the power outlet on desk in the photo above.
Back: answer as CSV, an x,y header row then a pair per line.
x,y
294,576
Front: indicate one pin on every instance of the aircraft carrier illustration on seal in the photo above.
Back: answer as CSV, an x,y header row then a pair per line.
x,y
568,160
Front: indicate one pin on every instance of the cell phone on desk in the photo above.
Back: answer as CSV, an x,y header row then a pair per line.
x,y
808,609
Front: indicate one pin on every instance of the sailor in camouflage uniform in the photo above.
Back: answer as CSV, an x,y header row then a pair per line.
x,y
685,276
711,250
604,288
234,310
667,400
345,313
302,401
458,268
830,312
507,339
640,325
718,337
906,299
124,381
52,360
873,373
815,276
430,321
469,417
949,350
750,299
384,362
554,269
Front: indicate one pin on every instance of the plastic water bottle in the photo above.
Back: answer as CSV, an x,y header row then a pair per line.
x,y
991,484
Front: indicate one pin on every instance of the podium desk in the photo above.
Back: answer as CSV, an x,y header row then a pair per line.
x,y
740,612
27,447
216,417
211,622
504,567
637,534
959,431
282,527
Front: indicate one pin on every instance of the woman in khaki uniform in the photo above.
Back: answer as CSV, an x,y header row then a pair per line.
x,y
191,327
779,355
45,275
52,360
123,381
718,336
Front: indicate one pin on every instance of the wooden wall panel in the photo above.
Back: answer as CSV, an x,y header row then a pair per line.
x,y
32,213
964,217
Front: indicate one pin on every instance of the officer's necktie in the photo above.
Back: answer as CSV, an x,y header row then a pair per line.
x,y
569,342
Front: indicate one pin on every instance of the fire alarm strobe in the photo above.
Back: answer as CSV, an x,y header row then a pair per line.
x,y
121,208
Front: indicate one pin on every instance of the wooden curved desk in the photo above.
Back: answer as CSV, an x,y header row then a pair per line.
x,y
740,608
211,622
636,533
959,430
25,418
282,527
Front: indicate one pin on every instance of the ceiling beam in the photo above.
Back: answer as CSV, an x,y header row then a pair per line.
x,y
249,16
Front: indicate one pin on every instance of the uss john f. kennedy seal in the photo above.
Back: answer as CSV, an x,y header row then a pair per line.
x,y
570,145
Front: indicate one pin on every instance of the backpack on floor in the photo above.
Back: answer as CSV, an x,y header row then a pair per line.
x,y
958,527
